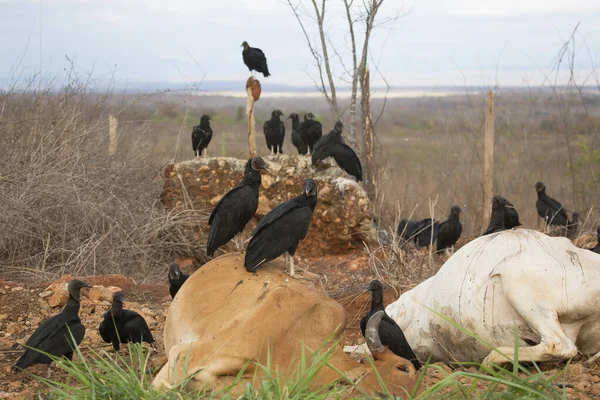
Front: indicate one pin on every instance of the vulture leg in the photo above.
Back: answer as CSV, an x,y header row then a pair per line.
x,y
240,242
289,265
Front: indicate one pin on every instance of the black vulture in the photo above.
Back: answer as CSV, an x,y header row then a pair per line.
x,y
450,230
418,231
122,326
274,130
427,234
596,248
511,217
53,336
201,136
236,208
297,140
347,160
311,131
332,145
390,333
282,229
176,279
408,229
550,209
255,59
496,224
324,146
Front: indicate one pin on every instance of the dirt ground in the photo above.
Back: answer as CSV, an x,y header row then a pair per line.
x,y
22,309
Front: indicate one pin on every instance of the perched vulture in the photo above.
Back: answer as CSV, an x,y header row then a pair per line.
x,y
390,333
496,224
511,217
297,140
236,208
274,130
255,59
282,229
550,209
332,145
311,131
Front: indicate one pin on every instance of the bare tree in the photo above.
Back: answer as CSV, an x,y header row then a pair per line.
x,y
357,13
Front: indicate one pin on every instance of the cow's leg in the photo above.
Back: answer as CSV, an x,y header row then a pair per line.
x,y
588,363
198,363
554,342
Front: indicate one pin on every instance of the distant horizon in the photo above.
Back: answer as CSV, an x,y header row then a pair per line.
x,y
231,87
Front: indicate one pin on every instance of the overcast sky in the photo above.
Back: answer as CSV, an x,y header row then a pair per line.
x,y
434,42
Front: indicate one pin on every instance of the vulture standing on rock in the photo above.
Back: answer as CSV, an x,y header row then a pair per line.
x,y
332,145
236,208
122,326
311,131
176,279
390,333
53,336
282,229
497,224
297,140
201,136
450,230
274,130
324,146
255,59
550,209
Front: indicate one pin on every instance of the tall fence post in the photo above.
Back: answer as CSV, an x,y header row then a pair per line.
x,y
112,134
253,91
488,166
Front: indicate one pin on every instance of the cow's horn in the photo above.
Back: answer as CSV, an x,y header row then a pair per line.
x,y
372,333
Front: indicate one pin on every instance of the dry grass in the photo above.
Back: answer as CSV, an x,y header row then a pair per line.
x,y
69,207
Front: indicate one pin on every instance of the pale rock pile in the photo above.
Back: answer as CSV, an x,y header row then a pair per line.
x,y
341,220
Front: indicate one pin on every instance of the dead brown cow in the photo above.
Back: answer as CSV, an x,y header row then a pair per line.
x,y
223,317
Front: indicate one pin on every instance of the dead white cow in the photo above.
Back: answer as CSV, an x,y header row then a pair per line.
x,y
545,286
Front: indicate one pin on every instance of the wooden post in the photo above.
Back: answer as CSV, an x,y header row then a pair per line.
x,y
488,166
253,91
365,101
112,134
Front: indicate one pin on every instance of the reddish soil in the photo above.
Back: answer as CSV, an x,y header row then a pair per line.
x,y
345,277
